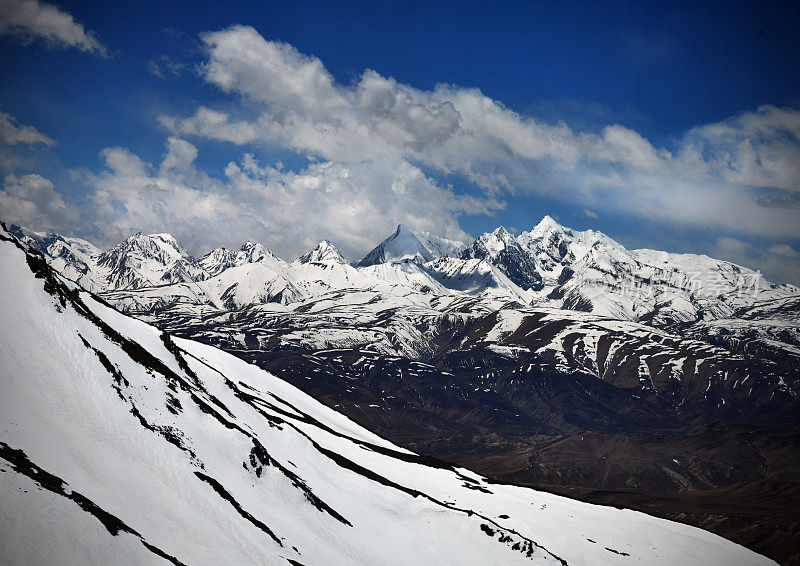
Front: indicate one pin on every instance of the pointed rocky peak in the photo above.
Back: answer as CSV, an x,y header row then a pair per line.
x,y
403,245
491,244
402,229
217,254
250,245
145,260
497,240
556,247
251,252
218,260
164,237
150,245
325,252
221,259
501,233
545,225
502,250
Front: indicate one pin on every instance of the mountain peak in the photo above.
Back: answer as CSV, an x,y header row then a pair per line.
x,y
546,224
144,241
501,233
150,244
145,260
251,252
251,245
497,240
400,246
325,252
502,250
163,236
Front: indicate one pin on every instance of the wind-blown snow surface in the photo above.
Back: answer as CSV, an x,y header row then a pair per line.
x,y
121,444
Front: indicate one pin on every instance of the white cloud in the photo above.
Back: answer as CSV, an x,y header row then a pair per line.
x,y
590,213
165,66
760,149
12,133
783,250
32,19
354,204
31,200
721,176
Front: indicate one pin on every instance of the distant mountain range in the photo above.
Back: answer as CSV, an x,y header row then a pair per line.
x,y
550,266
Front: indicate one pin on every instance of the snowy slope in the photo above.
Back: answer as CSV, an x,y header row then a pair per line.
x,y
440,247
250,283
121,444
476,277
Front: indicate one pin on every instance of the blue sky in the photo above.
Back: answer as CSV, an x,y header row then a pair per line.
x,y
665,125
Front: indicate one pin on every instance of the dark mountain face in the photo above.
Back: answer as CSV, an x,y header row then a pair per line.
x,y
501,249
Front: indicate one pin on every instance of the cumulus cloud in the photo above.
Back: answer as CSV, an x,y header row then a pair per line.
x,y
12,133
32,200
354,203
32,19
760,149
739,175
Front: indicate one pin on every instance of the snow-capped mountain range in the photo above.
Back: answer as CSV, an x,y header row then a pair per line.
x,y
549,265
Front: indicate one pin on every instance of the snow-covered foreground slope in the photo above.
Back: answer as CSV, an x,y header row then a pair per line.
x,y
120,444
